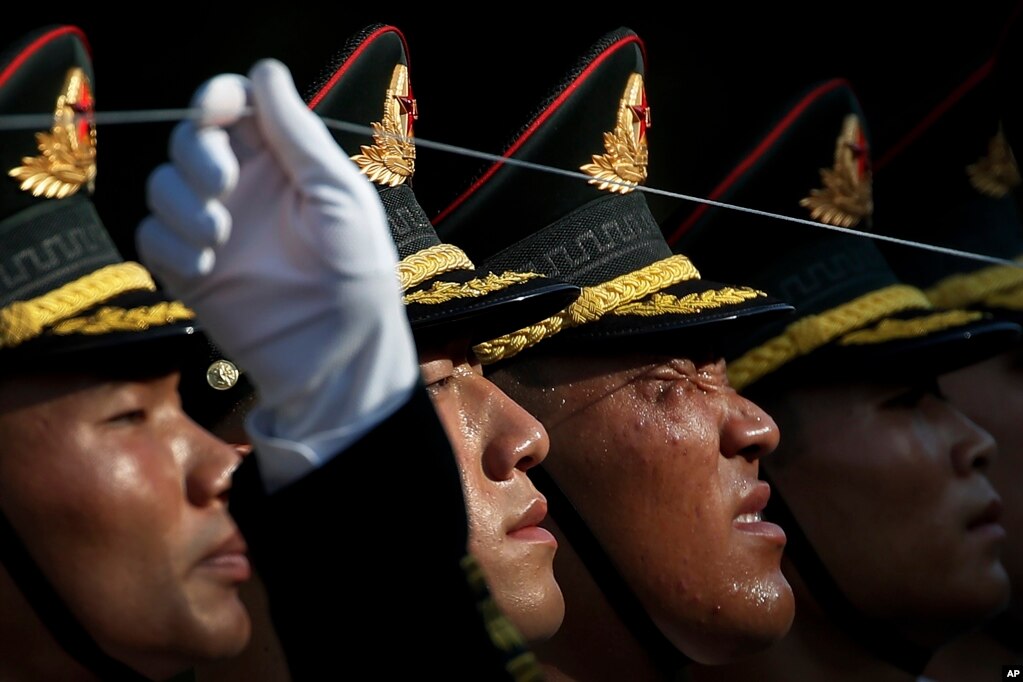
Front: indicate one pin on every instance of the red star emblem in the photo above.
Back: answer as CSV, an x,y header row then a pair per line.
x,y
410,108
860,153
642,113
83,111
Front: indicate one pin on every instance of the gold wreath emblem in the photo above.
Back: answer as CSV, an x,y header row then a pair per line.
x,y
391,159
623,166
68,158
996,173
847,197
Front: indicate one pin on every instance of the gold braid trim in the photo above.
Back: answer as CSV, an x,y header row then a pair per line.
x,y
442,292
813,331
690,304
520,662
978,287
431,262
592,304
889,330
1007,300
107,320
24,320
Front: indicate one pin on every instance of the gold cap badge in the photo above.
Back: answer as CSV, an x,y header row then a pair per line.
x,y
996,173
68,158
847,197
391,159
623,165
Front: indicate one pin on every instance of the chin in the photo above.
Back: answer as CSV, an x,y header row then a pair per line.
x,y
980,599
224,635
745,622
536,617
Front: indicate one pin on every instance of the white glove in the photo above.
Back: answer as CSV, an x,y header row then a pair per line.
x,y
271,234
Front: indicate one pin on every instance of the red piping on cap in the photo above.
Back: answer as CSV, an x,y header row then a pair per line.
x,y
547,113
758,152
38,44
353,56
971,82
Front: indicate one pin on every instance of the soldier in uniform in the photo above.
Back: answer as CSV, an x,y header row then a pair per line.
x,y
393,576
951,181
652,476
118,558
880,483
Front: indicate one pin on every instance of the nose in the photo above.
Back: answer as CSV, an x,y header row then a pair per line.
x,y
747,431
974,449
210,466
513,438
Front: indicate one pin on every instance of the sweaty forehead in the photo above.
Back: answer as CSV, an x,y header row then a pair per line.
x,y
551,371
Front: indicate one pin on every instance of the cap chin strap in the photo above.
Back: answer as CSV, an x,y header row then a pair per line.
x,y
873,634
665,656
54,614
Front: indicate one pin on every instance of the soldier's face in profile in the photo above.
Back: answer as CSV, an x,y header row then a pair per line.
x,y
991,394
889,484
121,500
660,457
495,442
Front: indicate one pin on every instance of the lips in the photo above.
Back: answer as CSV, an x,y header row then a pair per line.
x,y
527,526
229,560
754,502
534,514
749,516
989,515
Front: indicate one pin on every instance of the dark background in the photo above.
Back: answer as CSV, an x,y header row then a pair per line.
x,y
716,74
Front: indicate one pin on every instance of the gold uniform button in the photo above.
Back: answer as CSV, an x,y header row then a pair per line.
x,y
222,375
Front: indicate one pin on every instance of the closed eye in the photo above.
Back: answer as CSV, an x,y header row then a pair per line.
x,y
439,384
914,396
128,417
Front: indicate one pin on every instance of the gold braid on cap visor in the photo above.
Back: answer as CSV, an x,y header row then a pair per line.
x,y
435,261
622,295
56,310
998,286
889,330
806,335
431,262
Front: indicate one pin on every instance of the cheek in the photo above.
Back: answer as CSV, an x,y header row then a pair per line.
x,y
649,482
105,516
464,422
126,503
874,503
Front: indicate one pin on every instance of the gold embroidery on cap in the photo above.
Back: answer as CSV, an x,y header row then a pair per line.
x,y
21,321
890,330
996,173
109,319
847,197
391,159
222,375
442,292
806,335
431,262
975,288
623,166
690,304
68,158
593,303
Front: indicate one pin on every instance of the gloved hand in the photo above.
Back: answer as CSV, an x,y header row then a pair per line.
x,y
266,228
